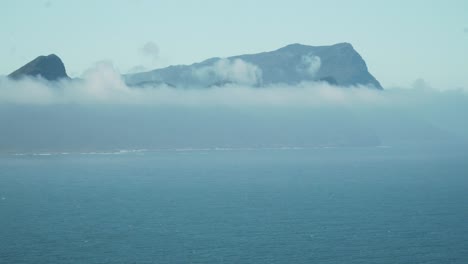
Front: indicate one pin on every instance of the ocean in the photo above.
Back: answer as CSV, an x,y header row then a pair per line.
x,y
278,205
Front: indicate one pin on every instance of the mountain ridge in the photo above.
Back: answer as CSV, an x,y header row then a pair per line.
x,y
340,64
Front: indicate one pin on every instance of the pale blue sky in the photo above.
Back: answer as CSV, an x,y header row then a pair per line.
x,y
401,41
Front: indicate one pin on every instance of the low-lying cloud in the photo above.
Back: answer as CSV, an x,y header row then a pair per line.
x,y
100,111
310,65
104,84
231,71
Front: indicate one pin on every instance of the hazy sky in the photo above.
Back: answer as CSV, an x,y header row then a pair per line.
x,y
400,40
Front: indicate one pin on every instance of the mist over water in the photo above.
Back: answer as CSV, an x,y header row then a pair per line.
x,y
101,113
244,132
93,170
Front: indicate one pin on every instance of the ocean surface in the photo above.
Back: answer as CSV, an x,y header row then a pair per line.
x,y
324,205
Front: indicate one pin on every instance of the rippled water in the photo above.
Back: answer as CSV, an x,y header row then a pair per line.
x,y
371,205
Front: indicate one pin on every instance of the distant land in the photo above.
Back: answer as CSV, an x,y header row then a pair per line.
x,y
338,64
48,67
88,127
56,128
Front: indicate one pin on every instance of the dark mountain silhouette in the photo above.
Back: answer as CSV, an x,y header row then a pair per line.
x,y
48,67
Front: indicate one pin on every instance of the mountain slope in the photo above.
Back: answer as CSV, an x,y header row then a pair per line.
x,y
48,67
338,64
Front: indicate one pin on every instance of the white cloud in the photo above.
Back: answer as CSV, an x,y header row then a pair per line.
x,y
27,91
310,65
235,71
104,84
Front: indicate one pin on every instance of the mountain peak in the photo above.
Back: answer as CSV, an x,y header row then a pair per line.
x,y
295,46
49,67
339,64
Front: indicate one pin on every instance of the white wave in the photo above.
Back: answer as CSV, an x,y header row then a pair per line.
x,y
118,152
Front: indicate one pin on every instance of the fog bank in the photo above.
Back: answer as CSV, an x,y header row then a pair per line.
x,y
100,112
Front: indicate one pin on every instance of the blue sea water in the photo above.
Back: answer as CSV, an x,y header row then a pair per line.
x,y
350,205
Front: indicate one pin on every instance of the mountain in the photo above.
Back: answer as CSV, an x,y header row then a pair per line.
x,y
48,67
338,64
